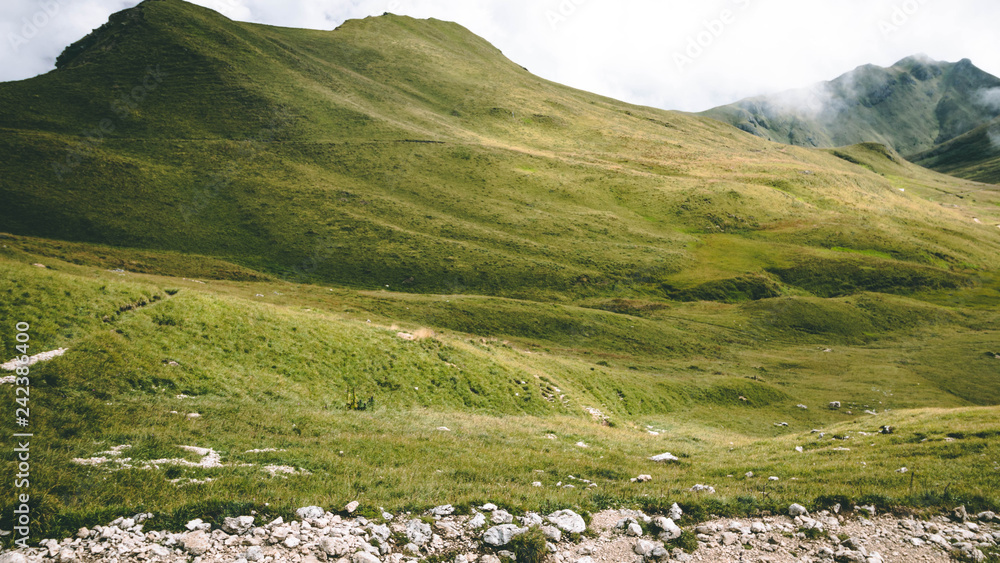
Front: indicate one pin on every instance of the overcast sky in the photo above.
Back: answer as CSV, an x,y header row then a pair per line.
x,y
673,54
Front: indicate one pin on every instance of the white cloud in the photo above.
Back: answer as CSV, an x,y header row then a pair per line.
x,y
626,49
990,98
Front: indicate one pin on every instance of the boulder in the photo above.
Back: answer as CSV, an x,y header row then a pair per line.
x,y
960,514
363,557
644,548
501,517
675,512
668,530
238,526
477,521
568,521
197,543
443,510
499,536
418,532
254,553
310,512
552,533
335,547
797,510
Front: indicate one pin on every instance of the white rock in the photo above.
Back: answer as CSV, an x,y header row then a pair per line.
x,y
292,542
418,532
552,533
797,510
197,543
488,507
634,530
363,557
352,506
12,557
254,553
310,512
668,530
664,458
644,548
531,519
477,521
498,536
675,512
238,526
568,521
501,517
443,510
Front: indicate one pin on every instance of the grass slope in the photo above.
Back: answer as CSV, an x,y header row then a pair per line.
x,y
576,270
411,153
271,364
974,155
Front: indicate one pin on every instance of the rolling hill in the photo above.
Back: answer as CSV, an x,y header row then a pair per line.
x,y
912,106
412,154
318,249
974,155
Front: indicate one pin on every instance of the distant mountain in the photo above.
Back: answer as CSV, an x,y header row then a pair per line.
x,y
912,106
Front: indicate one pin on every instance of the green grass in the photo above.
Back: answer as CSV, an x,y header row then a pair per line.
x,y
250,240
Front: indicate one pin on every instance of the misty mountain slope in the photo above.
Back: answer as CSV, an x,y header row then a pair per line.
x,y
411,153
912,106
974,155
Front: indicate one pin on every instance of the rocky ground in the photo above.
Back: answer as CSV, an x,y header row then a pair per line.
x,y
488,534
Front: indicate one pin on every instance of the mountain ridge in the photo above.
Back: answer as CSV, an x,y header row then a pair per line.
x,y
411,153
912,106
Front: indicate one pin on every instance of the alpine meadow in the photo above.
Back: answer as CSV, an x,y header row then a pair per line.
x,y
386,264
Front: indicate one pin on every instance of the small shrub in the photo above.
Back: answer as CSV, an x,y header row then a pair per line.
x,y
812,533
529,547
687,541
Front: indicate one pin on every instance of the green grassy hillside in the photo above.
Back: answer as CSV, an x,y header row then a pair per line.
x,y
412,154
974,155
276,365
912,106
333,245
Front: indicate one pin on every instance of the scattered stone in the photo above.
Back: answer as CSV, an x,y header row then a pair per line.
x,y
664,458
642,479
197,543
797,510
835,405
499,536
443,510
960,514
568,521
352,506
418,532
309,513
501,517
675,512
239,525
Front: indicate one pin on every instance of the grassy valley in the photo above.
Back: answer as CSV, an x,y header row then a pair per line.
x,y
384,263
